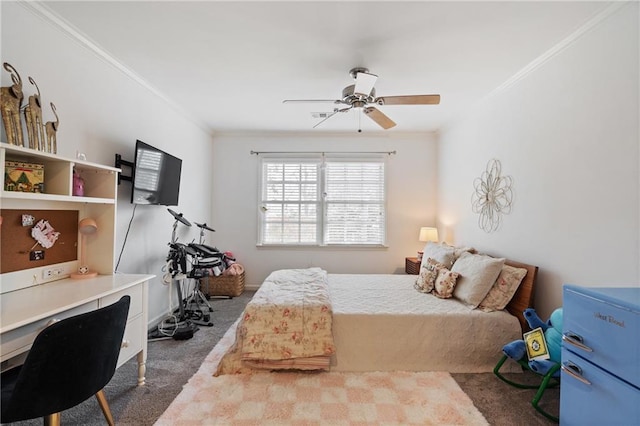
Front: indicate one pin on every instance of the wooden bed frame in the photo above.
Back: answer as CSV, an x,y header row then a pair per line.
x,y
523,298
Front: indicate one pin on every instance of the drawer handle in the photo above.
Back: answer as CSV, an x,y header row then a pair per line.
x,y
125,344
574,371
575,340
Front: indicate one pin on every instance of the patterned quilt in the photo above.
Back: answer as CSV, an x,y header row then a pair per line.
x,y
286,325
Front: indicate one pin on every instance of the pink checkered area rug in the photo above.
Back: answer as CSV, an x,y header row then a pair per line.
x,y
327,398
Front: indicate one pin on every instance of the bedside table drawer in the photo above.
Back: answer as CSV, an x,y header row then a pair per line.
x,y
412,265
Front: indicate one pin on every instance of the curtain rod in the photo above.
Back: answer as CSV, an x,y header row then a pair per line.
x,y
323,152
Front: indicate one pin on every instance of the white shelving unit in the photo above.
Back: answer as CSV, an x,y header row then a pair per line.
x,y
99,203
29,301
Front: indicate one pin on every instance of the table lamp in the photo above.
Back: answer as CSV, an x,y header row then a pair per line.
x,y
427,234
87,226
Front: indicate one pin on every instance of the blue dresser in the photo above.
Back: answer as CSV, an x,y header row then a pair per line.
x,y
600,356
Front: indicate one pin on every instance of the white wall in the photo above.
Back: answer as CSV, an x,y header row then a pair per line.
x,y
102,112
567,133
411,178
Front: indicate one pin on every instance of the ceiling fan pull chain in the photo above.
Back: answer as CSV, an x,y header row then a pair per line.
x,y
360,121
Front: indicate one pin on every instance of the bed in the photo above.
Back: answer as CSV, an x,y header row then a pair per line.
x,y
381,323
376,322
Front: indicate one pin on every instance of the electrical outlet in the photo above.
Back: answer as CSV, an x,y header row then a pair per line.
x,y
54,272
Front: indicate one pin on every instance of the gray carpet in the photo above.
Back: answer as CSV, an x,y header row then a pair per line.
x,y
171,363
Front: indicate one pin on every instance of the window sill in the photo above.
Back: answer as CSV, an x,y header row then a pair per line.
x,y
323,247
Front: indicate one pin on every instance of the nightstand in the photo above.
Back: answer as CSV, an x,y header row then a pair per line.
x,y
412,265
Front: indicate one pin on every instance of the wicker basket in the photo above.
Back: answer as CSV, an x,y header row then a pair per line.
x,y
223,285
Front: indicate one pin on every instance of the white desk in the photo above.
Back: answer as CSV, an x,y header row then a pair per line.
x,y
27,311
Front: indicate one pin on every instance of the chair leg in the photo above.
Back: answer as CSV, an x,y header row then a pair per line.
x,y
104,406
496,371
52,420
543,386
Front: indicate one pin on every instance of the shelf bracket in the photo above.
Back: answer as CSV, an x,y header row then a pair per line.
x,y
119,164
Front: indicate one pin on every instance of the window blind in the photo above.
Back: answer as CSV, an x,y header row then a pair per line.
x,y
323,201
290,202
354,202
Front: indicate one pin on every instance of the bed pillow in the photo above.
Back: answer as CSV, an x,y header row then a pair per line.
x,y
445,283
478,273
457,251
441,253
503,289
427,276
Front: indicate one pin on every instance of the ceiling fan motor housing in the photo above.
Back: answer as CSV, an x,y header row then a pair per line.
x,y
350,98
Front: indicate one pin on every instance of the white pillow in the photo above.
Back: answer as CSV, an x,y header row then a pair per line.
x,y
477,275
441,253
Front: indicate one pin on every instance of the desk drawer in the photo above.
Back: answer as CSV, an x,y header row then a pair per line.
x,y
16,341
607,326
605,400
132,340
135,308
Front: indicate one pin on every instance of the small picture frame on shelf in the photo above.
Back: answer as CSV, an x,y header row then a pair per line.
x,y
23,177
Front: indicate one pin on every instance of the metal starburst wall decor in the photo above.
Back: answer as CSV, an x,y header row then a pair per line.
x,y
492,196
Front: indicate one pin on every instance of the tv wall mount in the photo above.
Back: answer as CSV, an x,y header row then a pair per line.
x,y
119,164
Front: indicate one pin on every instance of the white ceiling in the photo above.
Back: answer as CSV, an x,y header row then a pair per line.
x,y
230,64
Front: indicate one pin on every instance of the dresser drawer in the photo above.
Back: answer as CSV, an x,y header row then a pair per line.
x,y
135,308
19,340
608,324
604,400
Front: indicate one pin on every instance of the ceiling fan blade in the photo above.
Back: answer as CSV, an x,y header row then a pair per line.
x,y
379,117
306,101
409,100
364,83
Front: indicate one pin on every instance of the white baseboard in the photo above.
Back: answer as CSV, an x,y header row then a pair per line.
x,y
153,322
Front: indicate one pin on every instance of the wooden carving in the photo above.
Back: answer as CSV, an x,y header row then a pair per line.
x,y
10,103
51,127
33,117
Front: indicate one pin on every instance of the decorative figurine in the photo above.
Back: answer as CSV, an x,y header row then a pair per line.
x,y
10,103
51,127
33,117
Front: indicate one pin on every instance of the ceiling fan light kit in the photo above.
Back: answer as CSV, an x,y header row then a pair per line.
x,y
363,93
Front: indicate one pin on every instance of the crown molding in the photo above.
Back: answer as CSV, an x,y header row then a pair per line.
x,y
42,11
532,66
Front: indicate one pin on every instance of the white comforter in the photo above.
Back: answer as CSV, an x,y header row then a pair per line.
x,y
381,323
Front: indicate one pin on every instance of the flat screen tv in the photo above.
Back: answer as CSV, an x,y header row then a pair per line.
x,y
156,176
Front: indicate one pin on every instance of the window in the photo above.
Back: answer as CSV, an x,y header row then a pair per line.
x,y
322,201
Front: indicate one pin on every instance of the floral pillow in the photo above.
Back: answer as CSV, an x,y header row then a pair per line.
x,y
427,277
445,283
503,289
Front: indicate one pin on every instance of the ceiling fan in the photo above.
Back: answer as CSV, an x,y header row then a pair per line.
x,y
362,94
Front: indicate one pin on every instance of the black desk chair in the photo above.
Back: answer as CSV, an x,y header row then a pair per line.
x,y
70,361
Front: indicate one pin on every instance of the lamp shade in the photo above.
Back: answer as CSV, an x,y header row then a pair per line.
x,y
428,234
87,226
